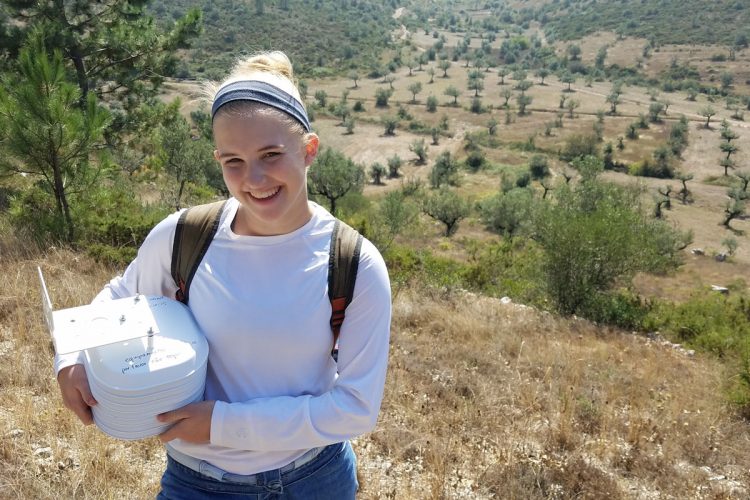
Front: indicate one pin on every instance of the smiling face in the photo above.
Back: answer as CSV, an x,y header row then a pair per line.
x,y
264,162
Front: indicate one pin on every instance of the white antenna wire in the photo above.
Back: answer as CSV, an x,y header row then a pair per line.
x,y
46,303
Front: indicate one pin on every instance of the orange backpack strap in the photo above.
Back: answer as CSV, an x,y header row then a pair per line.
x,y
195,230
343,261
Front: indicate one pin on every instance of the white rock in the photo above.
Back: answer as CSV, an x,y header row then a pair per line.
x,y
45,452
506,300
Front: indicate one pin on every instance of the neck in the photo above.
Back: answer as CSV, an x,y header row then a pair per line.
x,y
244,224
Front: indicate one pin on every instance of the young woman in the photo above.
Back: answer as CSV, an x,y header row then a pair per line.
x,y
278,410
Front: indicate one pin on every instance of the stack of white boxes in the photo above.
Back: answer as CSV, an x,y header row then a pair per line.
x,y
144,355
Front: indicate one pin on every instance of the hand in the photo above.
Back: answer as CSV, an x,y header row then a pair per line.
x,y
75,391
192,423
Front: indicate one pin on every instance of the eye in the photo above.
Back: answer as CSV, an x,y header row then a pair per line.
x,y
232,162
271,154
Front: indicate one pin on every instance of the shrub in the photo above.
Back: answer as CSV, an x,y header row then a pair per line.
x,y
538,167
476,106
713,323
650,168
475,161
523,180
34,213
621,308
390,123
382,96
419,148
321,96
394,164
507,213
432,104
579,145
598,222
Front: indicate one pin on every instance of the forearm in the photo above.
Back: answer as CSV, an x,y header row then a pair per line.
x,y
292,423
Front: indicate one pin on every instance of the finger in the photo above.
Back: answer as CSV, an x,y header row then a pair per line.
x,y
86,395
83,412
172,416
169,434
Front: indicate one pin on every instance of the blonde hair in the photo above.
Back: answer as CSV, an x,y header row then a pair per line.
x,y
273,67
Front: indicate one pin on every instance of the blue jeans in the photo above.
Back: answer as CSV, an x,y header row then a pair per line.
x,y
330,475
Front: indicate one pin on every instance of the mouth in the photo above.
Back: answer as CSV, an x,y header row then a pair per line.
x,y
265,195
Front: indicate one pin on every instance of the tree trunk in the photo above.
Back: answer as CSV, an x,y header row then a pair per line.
x,y
83,81
74,52
62,201
333,206
179,194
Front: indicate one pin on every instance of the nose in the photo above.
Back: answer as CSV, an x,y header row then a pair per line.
x,y
255,174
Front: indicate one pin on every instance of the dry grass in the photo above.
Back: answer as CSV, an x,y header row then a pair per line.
x,y
486,400
483,400
45,453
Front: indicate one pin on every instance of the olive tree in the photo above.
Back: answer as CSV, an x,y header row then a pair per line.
x,y
507,213
333,175
415,88
396,212
707,112
453,92
377,171
444,171
447,207
419,148
183,157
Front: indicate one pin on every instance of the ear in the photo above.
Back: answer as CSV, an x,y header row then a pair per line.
x,y
216,154
311,149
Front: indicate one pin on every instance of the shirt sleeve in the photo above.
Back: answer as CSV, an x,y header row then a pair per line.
x,y
149,274
351,407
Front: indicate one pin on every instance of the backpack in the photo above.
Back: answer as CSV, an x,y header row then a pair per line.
x,y
197,226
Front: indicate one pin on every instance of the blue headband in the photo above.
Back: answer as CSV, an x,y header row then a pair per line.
x,y
262,92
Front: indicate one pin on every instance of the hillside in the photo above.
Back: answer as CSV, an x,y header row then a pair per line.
x,y
686,22
320,36
484,399
662,21
495,389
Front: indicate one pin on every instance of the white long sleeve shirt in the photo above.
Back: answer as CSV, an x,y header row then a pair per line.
x,y
262,302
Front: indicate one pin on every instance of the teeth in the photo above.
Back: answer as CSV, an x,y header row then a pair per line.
x,y
261,195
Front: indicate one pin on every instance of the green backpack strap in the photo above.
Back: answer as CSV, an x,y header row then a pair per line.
x,y
343,262
195,230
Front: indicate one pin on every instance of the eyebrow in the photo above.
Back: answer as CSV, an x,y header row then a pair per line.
x,y
261,150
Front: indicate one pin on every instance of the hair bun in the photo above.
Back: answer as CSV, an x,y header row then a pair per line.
x,y
267,62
